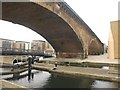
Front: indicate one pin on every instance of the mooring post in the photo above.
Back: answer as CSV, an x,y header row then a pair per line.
x,y
16,69
29,62
29,66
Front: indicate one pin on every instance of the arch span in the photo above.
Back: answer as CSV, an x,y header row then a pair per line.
x,y
56,22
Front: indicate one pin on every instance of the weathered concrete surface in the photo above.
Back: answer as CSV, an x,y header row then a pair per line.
x,y
14,72
114,42
56,22
80,71
6,85
91,58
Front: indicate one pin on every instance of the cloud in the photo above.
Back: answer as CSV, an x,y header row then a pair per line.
x,y
17,32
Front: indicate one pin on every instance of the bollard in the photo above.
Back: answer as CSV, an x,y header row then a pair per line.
x,y
16,69
29,63
29,67
29,74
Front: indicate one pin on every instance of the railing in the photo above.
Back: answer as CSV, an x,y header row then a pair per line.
x,y
14,51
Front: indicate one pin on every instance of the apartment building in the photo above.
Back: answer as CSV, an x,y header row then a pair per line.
x,y
22,46
38,45
6,44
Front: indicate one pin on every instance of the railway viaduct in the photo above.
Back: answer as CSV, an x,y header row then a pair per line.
x,y
69,35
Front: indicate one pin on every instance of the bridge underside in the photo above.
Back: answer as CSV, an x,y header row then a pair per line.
x,y
58,24
53,28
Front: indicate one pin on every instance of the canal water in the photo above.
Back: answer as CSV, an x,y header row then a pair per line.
x,y
40,79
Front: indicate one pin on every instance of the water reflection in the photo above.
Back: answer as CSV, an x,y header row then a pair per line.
x,y
104,84
59,81
40,79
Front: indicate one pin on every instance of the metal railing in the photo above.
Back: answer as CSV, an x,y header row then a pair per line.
x,y
14,51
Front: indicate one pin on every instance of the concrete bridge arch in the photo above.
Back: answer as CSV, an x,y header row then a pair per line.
x,y
57,22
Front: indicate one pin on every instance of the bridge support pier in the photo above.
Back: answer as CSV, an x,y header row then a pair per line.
x,y
70,55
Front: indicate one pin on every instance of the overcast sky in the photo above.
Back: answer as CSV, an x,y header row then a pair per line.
x,y
96,13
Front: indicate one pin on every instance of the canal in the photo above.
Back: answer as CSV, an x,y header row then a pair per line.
x,y
41,79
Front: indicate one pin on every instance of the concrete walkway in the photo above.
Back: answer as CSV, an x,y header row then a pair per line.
x,y
6,85
79,71
102,59
91,58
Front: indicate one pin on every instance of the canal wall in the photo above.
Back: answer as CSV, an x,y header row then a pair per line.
x,y
95,73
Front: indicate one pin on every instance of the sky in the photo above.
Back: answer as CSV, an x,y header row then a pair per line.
x,y
97,14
